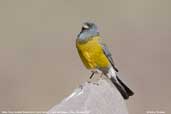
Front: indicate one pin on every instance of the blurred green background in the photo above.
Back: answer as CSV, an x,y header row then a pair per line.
x,y
39,64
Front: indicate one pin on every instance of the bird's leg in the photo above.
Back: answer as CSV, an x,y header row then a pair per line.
x,y
92,74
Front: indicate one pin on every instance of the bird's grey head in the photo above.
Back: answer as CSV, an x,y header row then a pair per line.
x,y
88,31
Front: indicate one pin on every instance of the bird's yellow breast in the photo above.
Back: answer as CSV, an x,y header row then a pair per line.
x,y
91,54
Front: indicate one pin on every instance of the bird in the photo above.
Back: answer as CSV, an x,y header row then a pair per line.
x,y
97,58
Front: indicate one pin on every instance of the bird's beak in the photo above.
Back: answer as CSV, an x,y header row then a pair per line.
x,y
85,26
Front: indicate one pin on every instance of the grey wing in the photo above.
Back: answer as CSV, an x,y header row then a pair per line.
x,y
109,56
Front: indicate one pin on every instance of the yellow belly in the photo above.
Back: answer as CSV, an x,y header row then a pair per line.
x,y
91,54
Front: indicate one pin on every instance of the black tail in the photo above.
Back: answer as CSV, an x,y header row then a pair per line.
x,y
122,88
